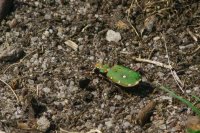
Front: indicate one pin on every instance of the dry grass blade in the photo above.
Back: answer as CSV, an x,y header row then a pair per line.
x,y
173,72
10,89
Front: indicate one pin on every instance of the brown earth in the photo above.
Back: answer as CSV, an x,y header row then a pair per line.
x,y
55,83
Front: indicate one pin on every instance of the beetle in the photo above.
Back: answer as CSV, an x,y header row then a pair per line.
x,y
120,75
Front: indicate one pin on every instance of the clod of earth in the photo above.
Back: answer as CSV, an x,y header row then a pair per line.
x,y
83,83
120,75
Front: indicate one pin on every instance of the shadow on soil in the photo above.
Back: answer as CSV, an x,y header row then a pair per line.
x,y
143,89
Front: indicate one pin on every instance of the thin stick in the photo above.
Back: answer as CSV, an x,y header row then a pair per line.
x,y
174,74
10,89
151,53
152,62
65,131
192,35
91,131
196,50
37,91
94,131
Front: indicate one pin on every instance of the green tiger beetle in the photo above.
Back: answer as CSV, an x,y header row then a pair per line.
x,y
120,75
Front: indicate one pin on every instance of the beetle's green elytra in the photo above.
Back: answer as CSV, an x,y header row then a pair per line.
x,y
120,75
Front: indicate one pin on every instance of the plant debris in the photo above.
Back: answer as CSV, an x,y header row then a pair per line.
x,y
144,114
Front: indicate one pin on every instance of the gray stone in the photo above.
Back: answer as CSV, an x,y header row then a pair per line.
x,y
46,90
113,36
109,123
47,16
43,124
126,124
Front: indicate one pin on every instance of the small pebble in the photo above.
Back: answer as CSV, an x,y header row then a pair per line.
x,y
109,124
156,38
46,33
113,36
118,97
47,16
91,58
126,124
188,91
46,90
43,124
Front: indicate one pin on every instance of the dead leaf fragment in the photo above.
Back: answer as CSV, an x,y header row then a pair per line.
x,y
22,125
72,44
145,113
121,25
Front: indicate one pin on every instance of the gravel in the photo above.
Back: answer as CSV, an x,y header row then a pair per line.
x,y
56,84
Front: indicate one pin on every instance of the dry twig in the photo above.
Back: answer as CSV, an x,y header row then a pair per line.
x,y
152,62
197,49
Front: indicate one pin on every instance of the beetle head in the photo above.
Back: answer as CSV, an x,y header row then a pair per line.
x,y
102,68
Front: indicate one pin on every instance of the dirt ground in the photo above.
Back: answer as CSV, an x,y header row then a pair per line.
x,y
48,85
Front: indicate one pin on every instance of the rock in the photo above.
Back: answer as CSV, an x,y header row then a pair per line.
x,y
5,7
126,124
43,124
11,54
113,36
47,16
46,90
109,123
118,97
